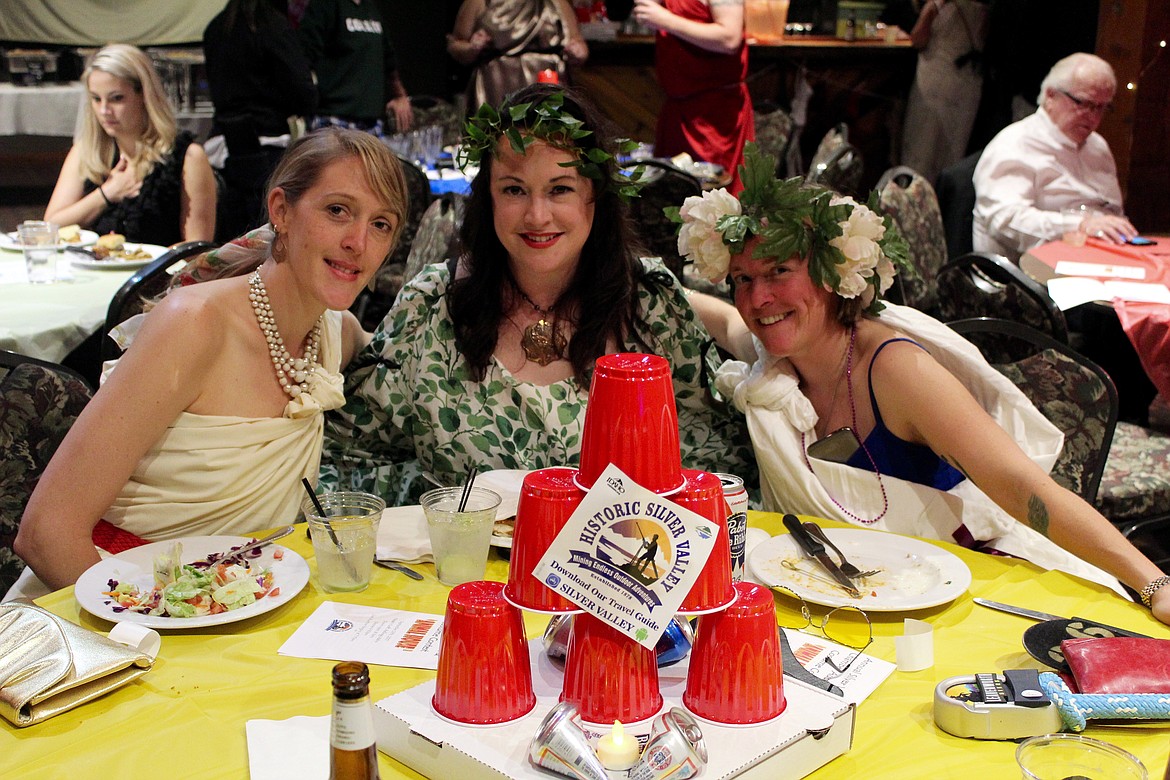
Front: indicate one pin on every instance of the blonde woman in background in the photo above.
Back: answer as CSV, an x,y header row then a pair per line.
x,y
130,171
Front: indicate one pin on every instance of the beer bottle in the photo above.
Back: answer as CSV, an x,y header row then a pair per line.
x,y
352,753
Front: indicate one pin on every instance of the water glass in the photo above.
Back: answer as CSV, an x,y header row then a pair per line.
x,y
344,539
39,241
460,539
1072,218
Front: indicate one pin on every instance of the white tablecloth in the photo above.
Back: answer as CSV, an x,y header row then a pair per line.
x,y
48,321
50,109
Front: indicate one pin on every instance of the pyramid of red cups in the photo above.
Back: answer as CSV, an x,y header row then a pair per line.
x,y
734,674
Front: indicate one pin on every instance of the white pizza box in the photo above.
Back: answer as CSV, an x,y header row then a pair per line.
x,y
814,728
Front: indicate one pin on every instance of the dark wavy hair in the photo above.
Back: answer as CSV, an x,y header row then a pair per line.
x,y
603,292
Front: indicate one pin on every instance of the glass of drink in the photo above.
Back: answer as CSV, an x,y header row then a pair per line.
x,y
460,540
1066,756
344,539
39,241
1073,219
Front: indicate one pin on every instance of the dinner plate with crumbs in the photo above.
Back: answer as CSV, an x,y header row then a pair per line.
x,y
129,256
912,574
290,574
11,241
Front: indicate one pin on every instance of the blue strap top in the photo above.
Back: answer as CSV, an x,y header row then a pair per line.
x,y
898,457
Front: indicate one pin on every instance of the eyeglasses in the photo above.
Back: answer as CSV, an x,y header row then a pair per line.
x,y
1087,105
848,626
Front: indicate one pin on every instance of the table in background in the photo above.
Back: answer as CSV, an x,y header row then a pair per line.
x,y
50,109
1147,325
48,321
188,713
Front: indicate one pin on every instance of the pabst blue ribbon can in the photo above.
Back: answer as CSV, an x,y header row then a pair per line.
x,y
735,494
676,749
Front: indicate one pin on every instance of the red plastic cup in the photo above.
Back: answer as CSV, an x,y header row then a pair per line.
x,y
485,675
631,421
735,675
703,495
548,76
608,675
547,498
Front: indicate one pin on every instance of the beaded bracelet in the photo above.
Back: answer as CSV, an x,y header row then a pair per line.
x,y
105,197
1147,593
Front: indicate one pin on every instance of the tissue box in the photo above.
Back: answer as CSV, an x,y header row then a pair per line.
x,y
814,728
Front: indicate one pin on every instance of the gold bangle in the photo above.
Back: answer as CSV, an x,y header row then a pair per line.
x,y
1147,593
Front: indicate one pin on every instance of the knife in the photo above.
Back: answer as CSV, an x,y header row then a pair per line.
x,y
817,550
1042,616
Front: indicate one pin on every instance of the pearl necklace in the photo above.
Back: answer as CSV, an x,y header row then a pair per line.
x,y
292,373
853,414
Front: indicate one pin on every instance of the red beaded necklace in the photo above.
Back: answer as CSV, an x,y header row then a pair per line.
x,y
853,415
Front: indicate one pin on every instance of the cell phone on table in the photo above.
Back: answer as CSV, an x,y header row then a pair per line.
x,y
837,447
1142,241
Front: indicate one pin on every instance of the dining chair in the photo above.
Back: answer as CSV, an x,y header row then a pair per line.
x,y
980,284
1136,483
148,282
438,234
909,200
1073,392
955,189
38,403
773,130
664,185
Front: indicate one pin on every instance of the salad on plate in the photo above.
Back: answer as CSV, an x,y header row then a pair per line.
x,y
216,584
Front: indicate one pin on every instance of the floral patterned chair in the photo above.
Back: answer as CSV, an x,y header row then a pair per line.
x,y
664,185
987,285
1136,482
38,403
773,130
837,164
1074,393
909,200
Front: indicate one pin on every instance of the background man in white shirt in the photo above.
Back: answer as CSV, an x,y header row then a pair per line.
x,y
1049,161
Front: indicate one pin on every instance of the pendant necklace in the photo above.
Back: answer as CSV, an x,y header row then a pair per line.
x,y
292,373
542,342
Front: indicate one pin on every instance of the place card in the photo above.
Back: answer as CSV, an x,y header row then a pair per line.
x,y
628,556
1070,291
352,632
1071,268
860,678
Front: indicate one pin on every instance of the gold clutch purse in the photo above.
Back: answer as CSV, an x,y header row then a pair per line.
x,y
49,665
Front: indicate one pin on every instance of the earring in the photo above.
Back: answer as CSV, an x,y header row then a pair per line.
x,y
278,246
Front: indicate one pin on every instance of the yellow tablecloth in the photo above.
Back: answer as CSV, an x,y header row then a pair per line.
x,y
186,717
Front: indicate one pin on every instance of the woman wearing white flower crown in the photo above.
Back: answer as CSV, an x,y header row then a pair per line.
x,y
914,403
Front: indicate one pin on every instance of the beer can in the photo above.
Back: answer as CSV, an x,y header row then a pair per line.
x,y
561,746
735,494
676,749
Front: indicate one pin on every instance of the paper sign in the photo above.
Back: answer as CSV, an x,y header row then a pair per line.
x,y
1070,291
351,632
1070,268
860,678
628,556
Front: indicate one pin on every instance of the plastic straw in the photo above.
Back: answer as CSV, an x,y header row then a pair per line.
x,y
467,488
321,512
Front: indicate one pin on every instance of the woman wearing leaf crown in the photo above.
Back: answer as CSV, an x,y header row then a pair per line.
x,y
919,403
488,361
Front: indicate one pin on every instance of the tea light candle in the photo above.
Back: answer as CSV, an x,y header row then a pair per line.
x,y
617,749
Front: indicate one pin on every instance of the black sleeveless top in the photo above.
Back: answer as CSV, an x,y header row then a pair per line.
x,y
153,216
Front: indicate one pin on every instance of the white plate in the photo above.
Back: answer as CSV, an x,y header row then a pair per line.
x,y
11,241
112,264
290,574
914,574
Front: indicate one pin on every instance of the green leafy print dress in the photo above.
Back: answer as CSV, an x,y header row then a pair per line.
x,y
412,407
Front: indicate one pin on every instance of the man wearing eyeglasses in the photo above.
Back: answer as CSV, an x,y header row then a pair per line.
x,y
1051,173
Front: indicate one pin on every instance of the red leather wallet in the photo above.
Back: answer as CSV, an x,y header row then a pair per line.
x,y
1119,664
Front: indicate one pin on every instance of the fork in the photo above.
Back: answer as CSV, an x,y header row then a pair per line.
x,y
847,568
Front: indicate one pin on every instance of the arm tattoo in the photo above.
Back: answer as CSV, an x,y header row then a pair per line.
x,y
1038,514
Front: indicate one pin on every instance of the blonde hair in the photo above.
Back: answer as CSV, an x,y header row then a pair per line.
x,y
95,147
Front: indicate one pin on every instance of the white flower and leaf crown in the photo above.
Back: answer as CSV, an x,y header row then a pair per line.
x,y
852,250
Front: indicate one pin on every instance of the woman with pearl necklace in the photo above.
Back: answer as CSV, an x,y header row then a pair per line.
x,y
213,415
